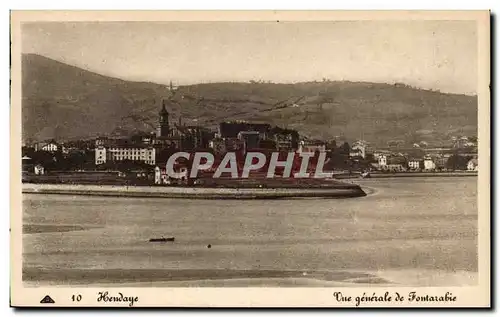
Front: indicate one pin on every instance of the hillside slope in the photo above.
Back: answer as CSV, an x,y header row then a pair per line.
x,y
65,102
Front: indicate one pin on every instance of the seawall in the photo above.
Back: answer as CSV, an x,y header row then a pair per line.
x,y
343,191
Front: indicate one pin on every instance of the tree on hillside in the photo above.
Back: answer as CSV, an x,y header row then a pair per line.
x,y
345,148
125,166
457,162
44,158
76,160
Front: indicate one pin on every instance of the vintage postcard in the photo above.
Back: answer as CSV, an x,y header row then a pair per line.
x,y
250,159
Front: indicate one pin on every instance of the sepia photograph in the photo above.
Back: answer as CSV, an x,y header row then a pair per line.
x,y
345,153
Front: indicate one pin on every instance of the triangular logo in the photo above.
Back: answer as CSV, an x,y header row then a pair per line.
x,y
47,300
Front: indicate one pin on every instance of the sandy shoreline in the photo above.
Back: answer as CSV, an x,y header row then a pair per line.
x,y
334,191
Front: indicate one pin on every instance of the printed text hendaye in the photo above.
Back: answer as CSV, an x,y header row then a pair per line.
x,y
202,161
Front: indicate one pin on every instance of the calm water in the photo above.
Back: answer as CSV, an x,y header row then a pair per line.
x,y
412,231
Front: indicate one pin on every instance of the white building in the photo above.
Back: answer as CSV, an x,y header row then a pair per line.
x,y
100,155
65,149
39,170
355,152
414,164
119,153
429,164
394,168
360,148
308,146
472,165
251,139
382,160
218,145
377,154
162,177
48,147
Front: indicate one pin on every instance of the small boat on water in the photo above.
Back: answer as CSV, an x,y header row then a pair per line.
x,y
162,239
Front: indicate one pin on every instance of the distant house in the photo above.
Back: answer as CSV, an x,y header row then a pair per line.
x,y
234,144
441,162
51,146
39,169
119,152
100,155
464,142
396,163
250,138
218,145
285,139
162,177
231,129
361,148
377,154
472,165
101,141
382,160
27,165
355,152
415,164
394,167
283,144
311,146
397,160
65,149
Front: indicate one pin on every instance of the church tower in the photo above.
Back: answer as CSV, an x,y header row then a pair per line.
x,y
163,129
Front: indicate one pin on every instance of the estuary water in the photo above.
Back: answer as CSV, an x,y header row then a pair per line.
x,y
405,232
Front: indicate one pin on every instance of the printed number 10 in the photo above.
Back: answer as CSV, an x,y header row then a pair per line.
x,y
76,298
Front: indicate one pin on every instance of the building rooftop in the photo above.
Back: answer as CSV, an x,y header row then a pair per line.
x,y
231,129
473,161
313,142
249,132
127,146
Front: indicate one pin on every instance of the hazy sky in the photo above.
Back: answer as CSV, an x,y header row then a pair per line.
x,y
429,54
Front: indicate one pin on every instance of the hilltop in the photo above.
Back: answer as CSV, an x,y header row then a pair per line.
x,y
65,102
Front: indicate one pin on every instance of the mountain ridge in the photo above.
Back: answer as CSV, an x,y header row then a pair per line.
x,y
62,101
